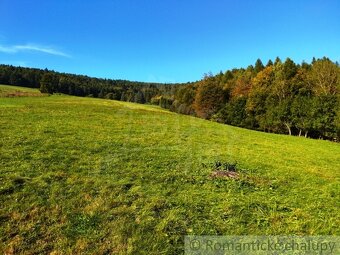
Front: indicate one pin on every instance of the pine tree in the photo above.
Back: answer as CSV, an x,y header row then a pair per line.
x,y
258,66
269,63
277,61
48,83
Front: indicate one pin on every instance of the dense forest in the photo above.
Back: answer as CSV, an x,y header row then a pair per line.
x,y
279,97
80,85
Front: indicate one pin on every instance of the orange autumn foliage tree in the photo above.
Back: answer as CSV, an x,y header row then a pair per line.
x,y
242,85
210,97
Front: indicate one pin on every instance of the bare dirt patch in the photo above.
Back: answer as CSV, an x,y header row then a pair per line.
x,y
20,94
224,174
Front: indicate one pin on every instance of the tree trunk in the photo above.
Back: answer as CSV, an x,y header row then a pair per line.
x,y
300,131
306,134
289,130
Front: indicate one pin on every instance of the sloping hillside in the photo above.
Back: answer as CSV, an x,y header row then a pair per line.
x,y
15,91
94,176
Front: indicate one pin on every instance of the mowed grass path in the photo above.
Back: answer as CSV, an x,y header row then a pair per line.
x,y
14,91
94,176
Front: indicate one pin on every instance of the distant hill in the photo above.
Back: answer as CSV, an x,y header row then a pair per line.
x,y
279,97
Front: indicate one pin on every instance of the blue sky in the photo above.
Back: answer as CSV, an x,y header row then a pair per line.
x,y
163,40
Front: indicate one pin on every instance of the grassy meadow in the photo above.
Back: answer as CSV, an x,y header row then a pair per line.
x,y
94,176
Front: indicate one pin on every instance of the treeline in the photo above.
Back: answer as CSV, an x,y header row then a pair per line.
x,y
79,85
279,97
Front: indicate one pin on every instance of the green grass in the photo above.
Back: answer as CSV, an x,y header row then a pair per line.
x,y
94,176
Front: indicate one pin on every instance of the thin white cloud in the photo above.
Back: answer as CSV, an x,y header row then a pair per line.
x,y
32,47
